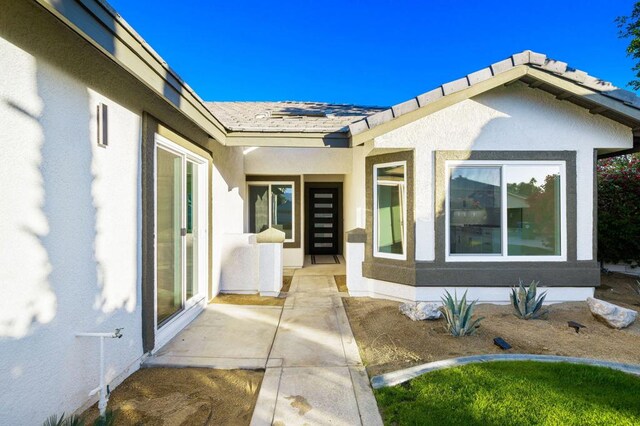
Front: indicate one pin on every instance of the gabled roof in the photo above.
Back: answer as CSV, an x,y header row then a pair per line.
x,y
289,116
532,68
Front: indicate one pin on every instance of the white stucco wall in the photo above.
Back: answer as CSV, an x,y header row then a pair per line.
x,y
355,192
507,118
297,161
69,220
227,197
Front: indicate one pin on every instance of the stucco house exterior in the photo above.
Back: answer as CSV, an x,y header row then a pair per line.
x,y
129,202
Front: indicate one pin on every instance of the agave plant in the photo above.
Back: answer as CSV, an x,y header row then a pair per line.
x,y
53,420
458,315
635,288
526,303
109,419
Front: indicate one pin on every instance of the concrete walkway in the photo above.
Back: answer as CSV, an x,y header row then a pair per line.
x,y
314,372
225,337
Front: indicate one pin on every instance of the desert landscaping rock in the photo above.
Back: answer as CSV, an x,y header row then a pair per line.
x,y
613,315
421,310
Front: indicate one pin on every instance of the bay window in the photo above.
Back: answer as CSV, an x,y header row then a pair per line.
x,y
511,210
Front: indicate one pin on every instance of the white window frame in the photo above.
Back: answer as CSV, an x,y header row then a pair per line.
x,y
504,257
194,305
293,201
403,201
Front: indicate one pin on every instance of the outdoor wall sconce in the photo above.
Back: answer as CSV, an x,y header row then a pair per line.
x,y
501,343
575,325
103,135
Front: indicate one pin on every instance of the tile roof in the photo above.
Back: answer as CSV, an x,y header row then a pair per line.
x,y
528,58
289,116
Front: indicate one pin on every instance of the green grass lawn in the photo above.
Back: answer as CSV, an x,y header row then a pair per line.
x,y
514,393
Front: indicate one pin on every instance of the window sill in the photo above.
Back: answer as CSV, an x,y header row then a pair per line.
x,y
462,259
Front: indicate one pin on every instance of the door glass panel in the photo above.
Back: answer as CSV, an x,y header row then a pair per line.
x,y
192,229
390,209
323,205
169,244
474,210
533,210
317,195
323,225
282,209
258,208
323,215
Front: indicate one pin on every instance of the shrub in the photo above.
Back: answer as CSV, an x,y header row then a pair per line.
x,y
458,315
525,301
109,419
53,420
619,209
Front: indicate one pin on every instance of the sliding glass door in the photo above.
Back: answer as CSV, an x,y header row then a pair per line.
x,y
180,230
168,238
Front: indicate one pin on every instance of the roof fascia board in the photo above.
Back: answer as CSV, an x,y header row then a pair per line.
x,y
94,21
444,102
292,140
578,90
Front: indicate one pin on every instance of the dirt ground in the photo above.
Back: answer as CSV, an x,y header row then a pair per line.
x,y
619,289
341,283
184,396
389,341
255,299
247,299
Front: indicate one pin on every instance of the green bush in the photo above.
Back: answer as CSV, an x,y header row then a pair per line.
x,y
619,209
458,315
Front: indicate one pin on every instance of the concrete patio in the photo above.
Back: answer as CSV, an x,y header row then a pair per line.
x,y
313,371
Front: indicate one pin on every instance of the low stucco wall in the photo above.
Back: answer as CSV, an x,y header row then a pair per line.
x,y
362,286
250,267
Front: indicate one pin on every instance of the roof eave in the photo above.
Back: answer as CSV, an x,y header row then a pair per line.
x,y
94,20
288,139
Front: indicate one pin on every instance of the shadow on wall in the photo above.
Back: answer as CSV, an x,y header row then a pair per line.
x,y
63,274
67,207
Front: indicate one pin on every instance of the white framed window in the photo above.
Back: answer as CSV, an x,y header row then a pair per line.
x,y
272,205
390,210
505,211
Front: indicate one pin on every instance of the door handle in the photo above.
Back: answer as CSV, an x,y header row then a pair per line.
x,y
183,232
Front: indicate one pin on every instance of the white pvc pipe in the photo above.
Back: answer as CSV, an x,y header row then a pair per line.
x,y
102,388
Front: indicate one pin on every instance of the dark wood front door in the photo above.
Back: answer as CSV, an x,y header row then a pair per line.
x,y
323,221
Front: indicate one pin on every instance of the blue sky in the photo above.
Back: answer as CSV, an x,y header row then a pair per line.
x,y
368,52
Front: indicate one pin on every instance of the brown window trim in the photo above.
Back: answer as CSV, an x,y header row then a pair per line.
x,y
296,243
401,270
